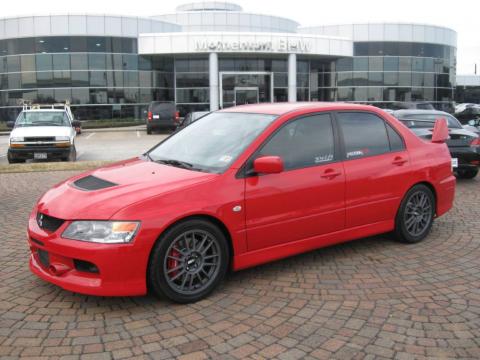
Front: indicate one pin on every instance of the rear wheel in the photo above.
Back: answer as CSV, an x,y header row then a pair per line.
x,y
188,261
149,131
415,215
467,173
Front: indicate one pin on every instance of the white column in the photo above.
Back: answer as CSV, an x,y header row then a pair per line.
x,y
213,69
292,77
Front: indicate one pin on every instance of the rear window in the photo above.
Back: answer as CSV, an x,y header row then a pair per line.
x,y
158,107
419,121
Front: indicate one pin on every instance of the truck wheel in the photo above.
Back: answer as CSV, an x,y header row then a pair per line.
x,y
73,154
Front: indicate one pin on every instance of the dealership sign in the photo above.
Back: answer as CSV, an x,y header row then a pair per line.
x,y
281,45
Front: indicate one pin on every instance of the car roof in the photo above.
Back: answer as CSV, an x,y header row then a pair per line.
x,y
44,110
400,113
283,108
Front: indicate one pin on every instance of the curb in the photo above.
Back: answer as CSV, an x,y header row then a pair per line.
x,y
47,167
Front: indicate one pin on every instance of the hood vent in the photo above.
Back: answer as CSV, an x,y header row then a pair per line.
x,y
90,183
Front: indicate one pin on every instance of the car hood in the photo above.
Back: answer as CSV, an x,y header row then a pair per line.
x,y
41,131
126,182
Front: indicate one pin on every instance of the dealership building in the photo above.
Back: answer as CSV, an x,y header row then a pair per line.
x,y
212,55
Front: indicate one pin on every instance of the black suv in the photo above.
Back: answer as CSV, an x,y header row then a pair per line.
x,y
464,145
161,116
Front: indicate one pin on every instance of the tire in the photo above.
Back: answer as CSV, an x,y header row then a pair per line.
x,y
149,131
193,249
72,156
15,161
415,216
467,173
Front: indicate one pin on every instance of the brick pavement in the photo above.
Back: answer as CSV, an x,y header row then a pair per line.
x,y
372,298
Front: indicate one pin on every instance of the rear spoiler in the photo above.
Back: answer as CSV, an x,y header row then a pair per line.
x,y
440,131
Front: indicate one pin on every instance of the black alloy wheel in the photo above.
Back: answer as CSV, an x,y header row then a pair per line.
x,y
188,261
415,215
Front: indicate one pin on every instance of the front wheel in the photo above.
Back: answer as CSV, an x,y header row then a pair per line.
x,y
188,261
415,215
467,173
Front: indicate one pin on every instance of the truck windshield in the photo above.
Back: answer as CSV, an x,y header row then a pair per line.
x,y
42,118
212,143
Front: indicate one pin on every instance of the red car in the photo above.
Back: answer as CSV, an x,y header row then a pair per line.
x,y
238,188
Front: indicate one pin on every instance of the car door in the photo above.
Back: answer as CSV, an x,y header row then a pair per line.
x,y
376,168
307,198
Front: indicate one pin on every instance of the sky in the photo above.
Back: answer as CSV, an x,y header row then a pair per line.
x,y
460,15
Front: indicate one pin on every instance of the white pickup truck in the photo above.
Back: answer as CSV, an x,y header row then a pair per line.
x,y
43,132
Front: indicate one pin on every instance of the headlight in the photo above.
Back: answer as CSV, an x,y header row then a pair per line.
x,y
105,232
62,138
16,139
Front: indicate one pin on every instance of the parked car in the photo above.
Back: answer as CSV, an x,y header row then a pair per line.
x,y
161,116
467,112
237,188
191,117
403,105
43,132
464,145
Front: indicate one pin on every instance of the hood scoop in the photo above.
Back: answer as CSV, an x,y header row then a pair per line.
x,y
91,183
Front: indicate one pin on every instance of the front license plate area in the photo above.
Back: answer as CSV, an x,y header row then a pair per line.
x,y
43,257
39,156
454,163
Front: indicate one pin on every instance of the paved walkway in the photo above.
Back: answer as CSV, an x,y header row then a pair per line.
x,y
372,298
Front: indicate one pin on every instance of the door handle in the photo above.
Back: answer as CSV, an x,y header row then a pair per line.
x,y
330,174
399,161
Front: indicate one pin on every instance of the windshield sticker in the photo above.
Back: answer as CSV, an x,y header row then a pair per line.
x,y
225,158
323,158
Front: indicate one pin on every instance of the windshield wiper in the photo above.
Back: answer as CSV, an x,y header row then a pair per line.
x,y
45,123
179,164
176,163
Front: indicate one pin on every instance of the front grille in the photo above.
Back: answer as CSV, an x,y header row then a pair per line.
x,y
90,182
43,258
44,138
49,223
38,145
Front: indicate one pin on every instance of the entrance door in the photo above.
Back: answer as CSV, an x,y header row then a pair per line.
x,y
246,95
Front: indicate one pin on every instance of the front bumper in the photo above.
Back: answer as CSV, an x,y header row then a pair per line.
x,y
121,267
26,153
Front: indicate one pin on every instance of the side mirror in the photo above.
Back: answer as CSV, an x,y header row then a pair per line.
x,y
440,131
10,124
472,123
268,165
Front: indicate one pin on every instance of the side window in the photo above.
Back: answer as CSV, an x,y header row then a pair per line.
x,y
303,142
396,142
364,134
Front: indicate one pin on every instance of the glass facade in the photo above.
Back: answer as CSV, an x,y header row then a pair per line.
x,y
104,77
386,72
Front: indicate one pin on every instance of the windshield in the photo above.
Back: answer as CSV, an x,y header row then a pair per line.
x,y
428,120
213,142
42,118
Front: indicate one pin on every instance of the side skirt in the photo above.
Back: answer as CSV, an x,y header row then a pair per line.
x,y
277,252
